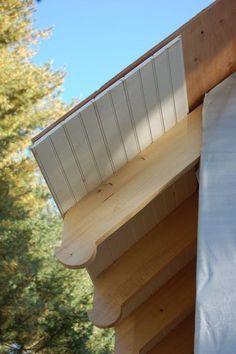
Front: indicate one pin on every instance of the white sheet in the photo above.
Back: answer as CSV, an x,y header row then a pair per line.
x,y
215,331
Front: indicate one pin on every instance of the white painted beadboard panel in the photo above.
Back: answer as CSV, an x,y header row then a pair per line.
x,y
111,130
177,73
165,89
99,138
123,116
138,109
82,150
53,175
68,162
152,99
96,139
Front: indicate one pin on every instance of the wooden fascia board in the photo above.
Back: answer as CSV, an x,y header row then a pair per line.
x,y
209,46
92,220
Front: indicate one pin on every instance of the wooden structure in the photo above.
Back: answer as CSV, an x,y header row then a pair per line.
x,y
133,222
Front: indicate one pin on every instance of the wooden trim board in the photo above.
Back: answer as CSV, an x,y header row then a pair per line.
x,y
91,221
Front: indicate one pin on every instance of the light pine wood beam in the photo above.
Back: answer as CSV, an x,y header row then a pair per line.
x,y
179,341
158,316
91,221
146,266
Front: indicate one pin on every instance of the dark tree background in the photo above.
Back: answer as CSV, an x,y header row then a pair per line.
x,y
42,305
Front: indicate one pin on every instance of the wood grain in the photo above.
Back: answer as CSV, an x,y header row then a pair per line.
x,y
146,266
103,211
143,222
179,341
158,316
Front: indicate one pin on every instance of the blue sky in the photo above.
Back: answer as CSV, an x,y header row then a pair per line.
x,y
95,39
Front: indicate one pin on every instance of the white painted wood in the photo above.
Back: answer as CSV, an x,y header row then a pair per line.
x,y
178,79
52,172
111,129
99,138
123,116
82,151
165,89
137,104
96,140
68,162
152,99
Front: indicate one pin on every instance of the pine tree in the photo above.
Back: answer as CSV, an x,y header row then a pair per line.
x,y
42,305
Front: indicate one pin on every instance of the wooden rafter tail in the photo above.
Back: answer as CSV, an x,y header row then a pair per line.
x,y
180,340
146,266
143,222
92,220
158,316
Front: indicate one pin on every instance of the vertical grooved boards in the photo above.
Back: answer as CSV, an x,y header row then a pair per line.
x,y
97,140
121,108
53,174
111,129
68,163
138,110
162,66
83,152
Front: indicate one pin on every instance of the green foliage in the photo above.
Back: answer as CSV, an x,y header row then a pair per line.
x,y
42,304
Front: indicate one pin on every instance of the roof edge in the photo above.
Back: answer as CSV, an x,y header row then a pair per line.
x,y
121,74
